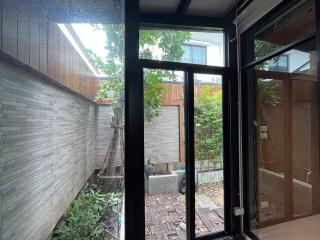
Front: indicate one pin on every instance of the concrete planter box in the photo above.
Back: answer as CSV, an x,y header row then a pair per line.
x,y
209,177
163,184
169,183
180,174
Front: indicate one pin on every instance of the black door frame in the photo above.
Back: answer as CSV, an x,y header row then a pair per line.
x,y
134,119
189,71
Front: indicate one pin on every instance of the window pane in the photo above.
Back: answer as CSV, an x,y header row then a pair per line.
x,y
208,154
165,210
205,48
194,54
294,24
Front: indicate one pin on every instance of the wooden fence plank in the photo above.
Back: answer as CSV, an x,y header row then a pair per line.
x,y
44,32
63,56
9,27
23,32
51,50
35,36
56,37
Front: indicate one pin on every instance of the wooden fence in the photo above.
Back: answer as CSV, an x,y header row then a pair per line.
x,y
27,34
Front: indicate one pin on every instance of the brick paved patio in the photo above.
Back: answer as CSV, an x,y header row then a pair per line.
x,y
165,216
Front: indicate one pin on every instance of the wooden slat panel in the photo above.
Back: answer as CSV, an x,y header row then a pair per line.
x,y
35,36
87,84
82,67
77,72
1,16
51,49
67,66
23,32
9,27
30,38
44,32
71,70
56,38
63,55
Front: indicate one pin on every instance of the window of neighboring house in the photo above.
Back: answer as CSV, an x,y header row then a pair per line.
x,y
280,64
194,54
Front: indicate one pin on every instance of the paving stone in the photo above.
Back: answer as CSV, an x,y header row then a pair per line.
x,y
166,212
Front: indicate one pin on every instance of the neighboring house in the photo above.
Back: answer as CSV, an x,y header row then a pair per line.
x,y
205,49
293,61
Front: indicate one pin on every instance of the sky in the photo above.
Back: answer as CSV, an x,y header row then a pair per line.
x,y
91,38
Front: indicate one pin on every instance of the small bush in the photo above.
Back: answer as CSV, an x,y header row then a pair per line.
x,y
84,217
208,130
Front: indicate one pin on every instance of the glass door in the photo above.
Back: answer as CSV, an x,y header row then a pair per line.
x,y
287,132
183,153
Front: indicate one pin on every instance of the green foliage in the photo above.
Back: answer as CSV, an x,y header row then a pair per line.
x,y
268,91
208,126
169,45
263,48
83,218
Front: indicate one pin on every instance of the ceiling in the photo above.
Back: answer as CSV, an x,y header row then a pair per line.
x,y
208,8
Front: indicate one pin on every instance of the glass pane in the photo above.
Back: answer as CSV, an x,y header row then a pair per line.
x,y
287,119
54,132
205,48
165,211
294,24
208,154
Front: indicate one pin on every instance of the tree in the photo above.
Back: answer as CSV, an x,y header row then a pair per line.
x,y
167,45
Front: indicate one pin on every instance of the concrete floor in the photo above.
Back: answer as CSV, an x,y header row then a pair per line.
x,y
305,228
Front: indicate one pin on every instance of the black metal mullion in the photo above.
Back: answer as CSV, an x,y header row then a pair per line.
x,y
181,21
183,7
134,127
190,165
177,66
316,203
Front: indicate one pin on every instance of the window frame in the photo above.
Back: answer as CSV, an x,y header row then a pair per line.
x,y
134,122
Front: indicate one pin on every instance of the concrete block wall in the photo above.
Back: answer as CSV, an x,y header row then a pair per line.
x,y
161,137
47,152
52,139
162,140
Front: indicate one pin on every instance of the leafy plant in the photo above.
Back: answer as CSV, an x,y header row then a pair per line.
x,y
208,126
84,217
268,91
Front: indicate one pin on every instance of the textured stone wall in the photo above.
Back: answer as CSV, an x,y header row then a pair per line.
x,y
47,152
103,133
52,139
161,136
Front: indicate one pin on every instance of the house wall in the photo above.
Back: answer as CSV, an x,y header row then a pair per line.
x,y
47,152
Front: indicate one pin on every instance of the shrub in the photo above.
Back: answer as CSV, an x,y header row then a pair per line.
x,y
208,127
83,218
